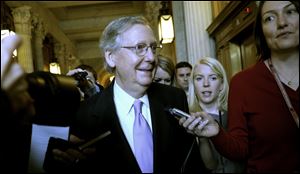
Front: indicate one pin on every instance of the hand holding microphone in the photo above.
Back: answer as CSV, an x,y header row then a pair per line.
x,y
199,123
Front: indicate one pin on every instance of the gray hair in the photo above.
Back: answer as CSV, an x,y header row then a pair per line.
x,y
110,40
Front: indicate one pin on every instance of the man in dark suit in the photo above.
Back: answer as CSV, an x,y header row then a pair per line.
x,y
130,48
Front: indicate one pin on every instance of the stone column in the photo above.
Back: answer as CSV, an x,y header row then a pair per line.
x,y
180,31
22,21
39,35
60,54
198,16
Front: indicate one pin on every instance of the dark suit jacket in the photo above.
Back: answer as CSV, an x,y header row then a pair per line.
x,y
171,142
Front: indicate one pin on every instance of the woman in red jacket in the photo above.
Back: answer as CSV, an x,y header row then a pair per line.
x,y
261,128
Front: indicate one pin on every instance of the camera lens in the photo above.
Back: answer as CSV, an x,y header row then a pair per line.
x,y
55,97
80,76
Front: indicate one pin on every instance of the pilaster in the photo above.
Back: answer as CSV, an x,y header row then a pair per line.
x,y
39,35
22,20
198,16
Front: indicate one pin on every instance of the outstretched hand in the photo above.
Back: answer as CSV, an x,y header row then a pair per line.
x,y
13,81
11,72
200,124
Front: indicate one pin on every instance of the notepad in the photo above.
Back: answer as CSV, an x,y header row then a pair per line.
x,y
39,143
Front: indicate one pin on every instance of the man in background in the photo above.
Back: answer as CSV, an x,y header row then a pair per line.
x,y
182,74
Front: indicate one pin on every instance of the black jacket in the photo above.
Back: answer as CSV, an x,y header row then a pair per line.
x,y
171,142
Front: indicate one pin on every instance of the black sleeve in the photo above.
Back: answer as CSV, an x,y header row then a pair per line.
x,y
100,87
6,109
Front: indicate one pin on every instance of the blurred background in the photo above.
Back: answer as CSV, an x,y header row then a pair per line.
x,y
60,35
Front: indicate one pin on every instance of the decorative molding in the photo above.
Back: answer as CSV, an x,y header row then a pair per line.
x,y
226,13
22,19
231,21
218,6
38,26
232,30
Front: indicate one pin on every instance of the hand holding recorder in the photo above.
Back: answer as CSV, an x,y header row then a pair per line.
x,y
199,123
67,152
70,152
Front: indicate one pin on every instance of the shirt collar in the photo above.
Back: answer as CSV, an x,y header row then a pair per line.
x,y
125,100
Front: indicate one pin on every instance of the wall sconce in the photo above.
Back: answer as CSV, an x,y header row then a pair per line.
x,y
54,67
111,78
165,24
5,33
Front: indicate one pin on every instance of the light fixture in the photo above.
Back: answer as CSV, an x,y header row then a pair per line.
x,y
5,33
54,67
165,24
111,78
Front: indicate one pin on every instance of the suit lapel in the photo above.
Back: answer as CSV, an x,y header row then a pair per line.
x,y
160,127
121,143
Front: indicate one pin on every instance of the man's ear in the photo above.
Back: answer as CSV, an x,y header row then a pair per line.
x,y
109,57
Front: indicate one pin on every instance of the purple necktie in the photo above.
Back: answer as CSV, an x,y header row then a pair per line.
x,y
142,138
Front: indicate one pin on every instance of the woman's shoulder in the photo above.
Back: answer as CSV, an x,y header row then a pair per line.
x,y
249,74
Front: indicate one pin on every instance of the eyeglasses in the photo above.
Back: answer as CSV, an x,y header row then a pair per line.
x,y
141,49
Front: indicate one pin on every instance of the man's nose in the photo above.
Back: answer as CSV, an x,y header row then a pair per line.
x,y
186,77
150,56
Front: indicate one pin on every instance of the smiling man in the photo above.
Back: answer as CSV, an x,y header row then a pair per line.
x,y
130,51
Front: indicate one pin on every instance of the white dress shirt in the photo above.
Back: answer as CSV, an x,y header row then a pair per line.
x,y
125,111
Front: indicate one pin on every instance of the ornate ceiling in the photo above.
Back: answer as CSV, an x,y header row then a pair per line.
x,y
85,20
79,24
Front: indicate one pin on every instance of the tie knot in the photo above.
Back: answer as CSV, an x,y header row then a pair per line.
x,y
137,106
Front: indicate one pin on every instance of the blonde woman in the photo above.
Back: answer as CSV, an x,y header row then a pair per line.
x,y
165,70
208,92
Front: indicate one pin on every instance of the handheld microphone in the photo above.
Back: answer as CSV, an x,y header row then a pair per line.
x,y
177,112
